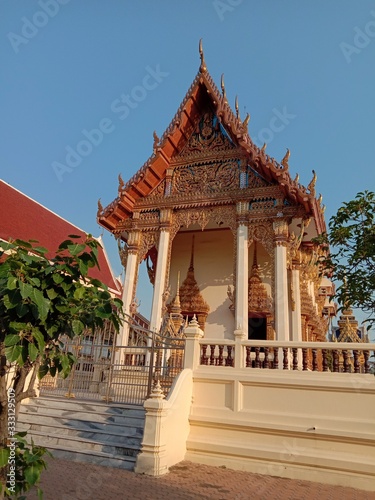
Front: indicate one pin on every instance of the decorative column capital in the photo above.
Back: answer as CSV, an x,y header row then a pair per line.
x,y
281,230
134,239
242,209
165,218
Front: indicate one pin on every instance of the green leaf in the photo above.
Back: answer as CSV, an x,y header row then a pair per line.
x,y
77,326
33,352
32,473
12,282
25,289
4,456
41,302
22,309
11,299
35,281
13,353
43,370
38,336
18,326
80,293
41,250
52,294
11,340
40,494
58,278
83,268
76,248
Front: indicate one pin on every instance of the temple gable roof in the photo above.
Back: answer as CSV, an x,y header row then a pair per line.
x,y
205,127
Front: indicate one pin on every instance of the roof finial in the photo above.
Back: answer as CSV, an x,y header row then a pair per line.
x,y
203,67
320,199
264,147
247,119
191,267
223,88
284,161
236,106
255,256
296,179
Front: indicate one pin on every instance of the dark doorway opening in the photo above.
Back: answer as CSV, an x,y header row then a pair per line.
x,y
257,328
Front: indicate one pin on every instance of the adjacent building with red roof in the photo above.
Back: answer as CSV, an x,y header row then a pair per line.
x,y
23,218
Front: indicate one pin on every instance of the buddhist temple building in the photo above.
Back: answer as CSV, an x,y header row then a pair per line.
x,y
212,207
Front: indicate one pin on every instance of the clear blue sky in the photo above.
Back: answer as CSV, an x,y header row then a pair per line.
x,y
65,65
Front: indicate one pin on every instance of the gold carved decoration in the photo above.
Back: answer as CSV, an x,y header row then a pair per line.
x,y
208,135
259,301
263,233
213,176
148,240
159,190
191,299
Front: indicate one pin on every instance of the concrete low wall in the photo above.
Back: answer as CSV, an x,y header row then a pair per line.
x,y
302,425
166,427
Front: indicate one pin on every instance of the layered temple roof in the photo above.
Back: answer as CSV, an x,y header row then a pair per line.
x,y
25,219
203,96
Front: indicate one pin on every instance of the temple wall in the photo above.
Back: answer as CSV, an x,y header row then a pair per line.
x,y
213,269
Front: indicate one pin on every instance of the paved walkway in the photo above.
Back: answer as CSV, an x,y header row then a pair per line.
x,y
65,480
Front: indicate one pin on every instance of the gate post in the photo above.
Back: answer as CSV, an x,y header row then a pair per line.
x,y
192,348
153,458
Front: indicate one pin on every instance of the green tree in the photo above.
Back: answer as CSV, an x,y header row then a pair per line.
x,y
351,262
40,299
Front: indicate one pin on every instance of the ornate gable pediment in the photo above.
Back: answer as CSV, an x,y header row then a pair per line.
x,y
209,138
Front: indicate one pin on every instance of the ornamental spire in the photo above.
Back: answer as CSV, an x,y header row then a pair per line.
x,y
203,67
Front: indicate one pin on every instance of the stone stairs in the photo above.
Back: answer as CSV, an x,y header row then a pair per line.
x,y
85,431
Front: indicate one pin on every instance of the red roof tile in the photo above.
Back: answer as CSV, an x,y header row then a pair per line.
x,y
23,218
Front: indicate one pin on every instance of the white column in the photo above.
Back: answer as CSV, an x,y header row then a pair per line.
x,y
160,274
127,293
296,332
242,272
281,282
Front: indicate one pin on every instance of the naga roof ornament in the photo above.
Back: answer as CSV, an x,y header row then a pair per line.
x,y
285,160
223,91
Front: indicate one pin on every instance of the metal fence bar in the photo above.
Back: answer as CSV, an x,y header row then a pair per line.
x,y
122,374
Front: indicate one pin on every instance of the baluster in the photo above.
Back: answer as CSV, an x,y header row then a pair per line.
x,y
212,354
346,361
229,361
276,358
266,363
356,361
221,357
325,361
314,360
305,361
366,355
257,359
295,358
285,358
204,359
248,356
336,367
